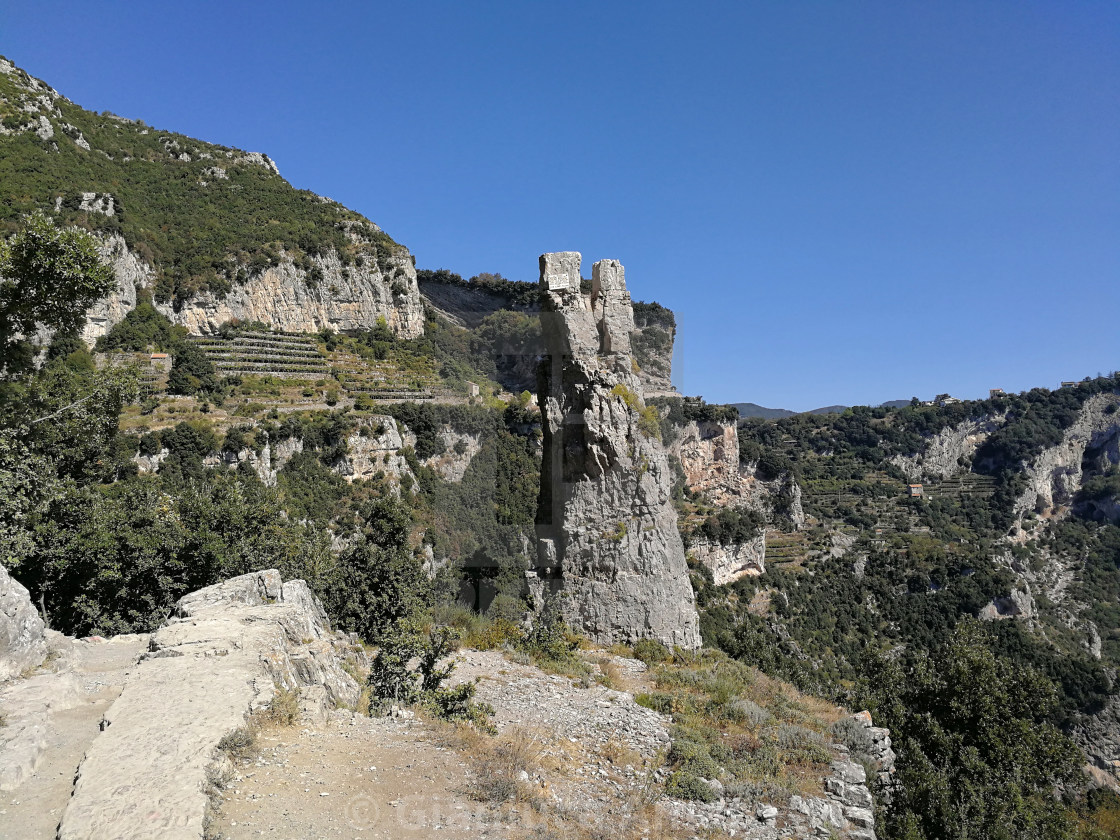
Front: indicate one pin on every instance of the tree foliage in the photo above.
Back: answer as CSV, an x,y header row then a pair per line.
x,y
49,276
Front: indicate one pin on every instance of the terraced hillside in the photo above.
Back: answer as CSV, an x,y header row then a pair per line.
x,y
270,354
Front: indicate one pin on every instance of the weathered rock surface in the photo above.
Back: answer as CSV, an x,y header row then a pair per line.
x,y
144,776
374,448
607,530
346,298
132,273
948,448
459,449
1055,476
23,635
730,562
709,454
284,297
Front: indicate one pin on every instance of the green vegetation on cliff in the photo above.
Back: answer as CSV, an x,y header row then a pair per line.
x,y
202,215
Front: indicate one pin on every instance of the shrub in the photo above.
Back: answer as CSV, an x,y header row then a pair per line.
x,y
550,643
687,786
498,766
240,744
749,712
662,703
391,679
692,757
283,708
651,651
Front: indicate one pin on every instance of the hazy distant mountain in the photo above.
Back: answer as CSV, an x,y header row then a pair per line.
x,y
754,410
749,409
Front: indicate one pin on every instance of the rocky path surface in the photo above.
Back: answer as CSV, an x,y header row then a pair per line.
x,y
356,777
52,718
592,748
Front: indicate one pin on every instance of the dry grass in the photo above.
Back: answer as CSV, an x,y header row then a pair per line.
x,y
618,753
282,709
769,738
504,767
241,744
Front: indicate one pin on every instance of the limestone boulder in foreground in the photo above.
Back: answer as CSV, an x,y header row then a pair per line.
x,y
207,669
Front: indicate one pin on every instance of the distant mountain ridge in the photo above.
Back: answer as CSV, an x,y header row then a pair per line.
x,y
749,409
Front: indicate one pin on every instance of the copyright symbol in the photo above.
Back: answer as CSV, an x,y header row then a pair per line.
x,y
361,812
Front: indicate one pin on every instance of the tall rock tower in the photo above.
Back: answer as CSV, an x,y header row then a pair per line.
x,y
607,533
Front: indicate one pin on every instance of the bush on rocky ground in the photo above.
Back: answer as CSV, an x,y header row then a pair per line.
x,y
393,680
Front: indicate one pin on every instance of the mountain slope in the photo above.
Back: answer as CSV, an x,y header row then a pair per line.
x,y
215,232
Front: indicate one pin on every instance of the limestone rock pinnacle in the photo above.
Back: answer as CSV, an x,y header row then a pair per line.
x,y
608,543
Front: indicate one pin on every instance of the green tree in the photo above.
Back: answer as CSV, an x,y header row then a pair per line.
x,y
48,276
378,584
192,372
978,755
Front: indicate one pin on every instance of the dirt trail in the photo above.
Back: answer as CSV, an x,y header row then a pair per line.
x,y
386,778
358,778
54,717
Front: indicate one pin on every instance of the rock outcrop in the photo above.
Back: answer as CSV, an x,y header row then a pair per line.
x,y
223,656
709,455
131,273
946,450
708,451
1055,476
23,635
730,562
285,297
375,448
607,531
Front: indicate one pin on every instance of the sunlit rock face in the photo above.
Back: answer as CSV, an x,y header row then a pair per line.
x,y
608,544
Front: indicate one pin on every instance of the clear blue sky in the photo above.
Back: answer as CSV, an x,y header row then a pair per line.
x,y
844,202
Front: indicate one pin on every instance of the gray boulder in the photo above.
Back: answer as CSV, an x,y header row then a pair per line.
x,y
23,635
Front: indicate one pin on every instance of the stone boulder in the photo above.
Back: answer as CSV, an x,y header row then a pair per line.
x,y
23,635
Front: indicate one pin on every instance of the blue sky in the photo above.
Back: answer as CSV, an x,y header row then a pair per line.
x,y
844,202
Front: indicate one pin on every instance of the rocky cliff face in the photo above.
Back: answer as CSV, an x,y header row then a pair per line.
x,y
728,563
947,449
709,455
708,452
132,273
284,297
608,540
1055,476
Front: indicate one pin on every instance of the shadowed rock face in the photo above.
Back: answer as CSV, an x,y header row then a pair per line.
x,y
608,540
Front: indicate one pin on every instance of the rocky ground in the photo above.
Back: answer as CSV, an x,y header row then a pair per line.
x,y
591,764
588,771
51,718
145,738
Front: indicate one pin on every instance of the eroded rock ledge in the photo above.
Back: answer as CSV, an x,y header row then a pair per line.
x,y
221,657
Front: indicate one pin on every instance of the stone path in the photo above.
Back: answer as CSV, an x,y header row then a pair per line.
x,y
52,718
